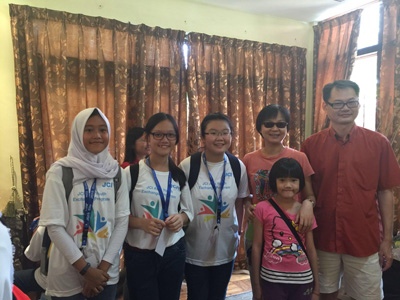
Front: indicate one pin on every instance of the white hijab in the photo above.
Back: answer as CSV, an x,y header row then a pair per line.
x,y
85,164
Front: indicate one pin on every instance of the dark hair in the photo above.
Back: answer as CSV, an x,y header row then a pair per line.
x,y
176,173
158,118
283,168
341,85
94,113
132,136
212,117
270,112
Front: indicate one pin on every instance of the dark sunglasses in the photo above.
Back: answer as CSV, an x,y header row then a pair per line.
x,y
277,124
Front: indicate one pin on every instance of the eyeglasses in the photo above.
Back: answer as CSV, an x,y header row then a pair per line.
x,y
341,104
214,134
160,136
277,124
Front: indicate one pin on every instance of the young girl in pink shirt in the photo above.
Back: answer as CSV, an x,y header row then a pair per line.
x,y
288,270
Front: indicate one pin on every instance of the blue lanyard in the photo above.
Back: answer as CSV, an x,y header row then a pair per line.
x,y
219,204
88,210
164,202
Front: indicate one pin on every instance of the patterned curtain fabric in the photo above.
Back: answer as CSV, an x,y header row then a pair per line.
x,y
67,62
388,105
335,45
239,78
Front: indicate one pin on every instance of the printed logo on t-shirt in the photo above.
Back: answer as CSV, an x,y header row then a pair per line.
x,y
97,226
209,209
153,210
263,191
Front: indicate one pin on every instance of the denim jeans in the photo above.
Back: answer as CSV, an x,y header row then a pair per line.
x,y
152,277
26,282
208,283
108,293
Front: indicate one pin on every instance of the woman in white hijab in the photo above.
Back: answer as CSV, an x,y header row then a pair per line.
x,y
6,263
87,229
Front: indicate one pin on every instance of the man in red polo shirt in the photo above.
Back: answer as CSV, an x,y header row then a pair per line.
x,y
353,168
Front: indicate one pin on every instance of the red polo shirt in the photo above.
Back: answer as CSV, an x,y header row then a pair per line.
x,y
347,177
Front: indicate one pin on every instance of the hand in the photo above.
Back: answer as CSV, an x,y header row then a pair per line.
x,y
96,278
90,291
174,222
385,254
153,226
305,217
249,208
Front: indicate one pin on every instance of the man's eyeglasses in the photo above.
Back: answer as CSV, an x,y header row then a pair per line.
x,y
341,104
277,124
218,133
160,136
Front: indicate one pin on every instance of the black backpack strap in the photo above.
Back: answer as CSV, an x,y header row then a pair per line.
x,y
235,165
195,161
44,253
67,179
117,183
134,170
289,224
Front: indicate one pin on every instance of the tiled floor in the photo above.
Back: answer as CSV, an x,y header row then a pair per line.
x,y
240,288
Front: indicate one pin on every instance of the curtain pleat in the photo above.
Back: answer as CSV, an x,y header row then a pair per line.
x,y
335,46
388,104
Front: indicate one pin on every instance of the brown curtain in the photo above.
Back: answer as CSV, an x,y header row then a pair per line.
x,y
335,45
239,78
67,62
388,105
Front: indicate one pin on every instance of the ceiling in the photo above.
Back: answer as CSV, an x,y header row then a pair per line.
x,y
301,10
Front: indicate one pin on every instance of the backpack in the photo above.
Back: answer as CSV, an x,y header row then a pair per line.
x,y
195,162
134,170
67,179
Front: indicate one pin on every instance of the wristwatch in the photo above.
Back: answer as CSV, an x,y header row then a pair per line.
x,y
84,270
311,200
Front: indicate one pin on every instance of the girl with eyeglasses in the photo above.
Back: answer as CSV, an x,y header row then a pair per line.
x,y
272,124
160,206
212,236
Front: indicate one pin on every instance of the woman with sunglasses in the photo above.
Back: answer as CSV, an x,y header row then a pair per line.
x,y
161,205
272,124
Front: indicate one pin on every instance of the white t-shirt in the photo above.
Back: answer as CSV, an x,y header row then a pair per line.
x,y
202,248
146,203
63,279
32,252
6,264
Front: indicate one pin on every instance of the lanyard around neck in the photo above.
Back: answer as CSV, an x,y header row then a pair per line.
x,y
219,198
89,197
164,201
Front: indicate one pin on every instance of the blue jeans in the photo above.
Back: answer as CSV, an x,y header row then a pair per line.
x,y
208,283
108,293
152,277
26,282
